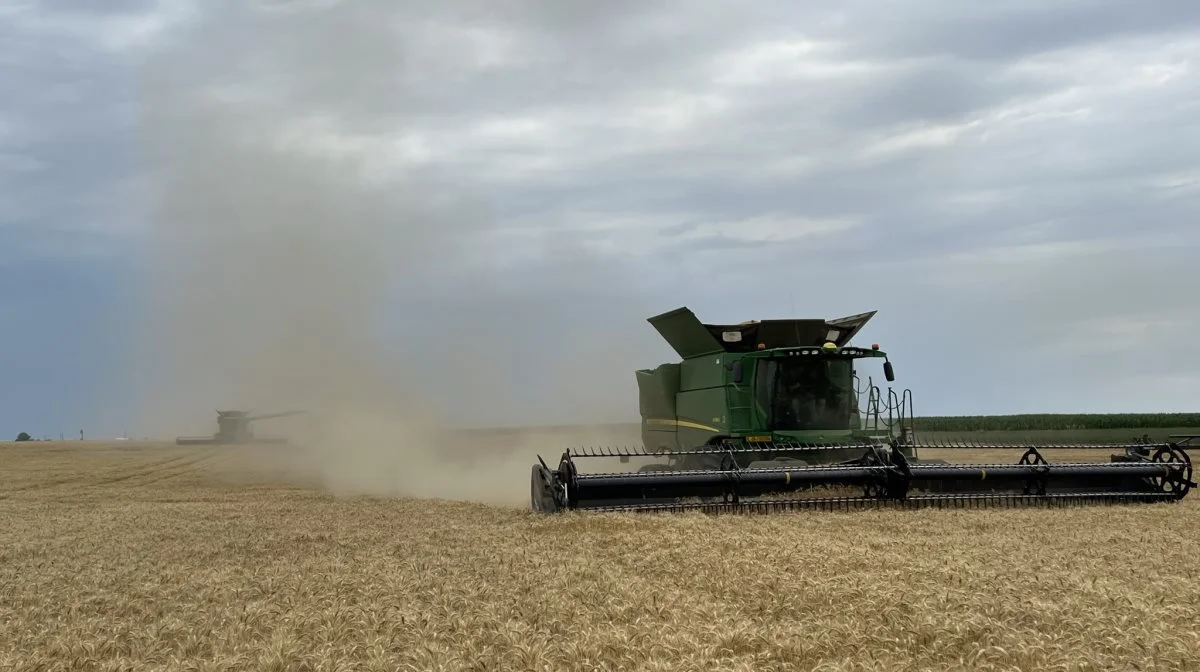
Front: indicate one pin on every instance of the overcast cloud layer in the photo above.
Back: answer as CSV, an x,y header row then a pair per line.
x,y
1013,186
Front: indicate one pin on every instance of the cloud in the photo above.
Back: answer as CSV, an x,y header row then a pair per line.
x,y
1015,178
118,27
69,173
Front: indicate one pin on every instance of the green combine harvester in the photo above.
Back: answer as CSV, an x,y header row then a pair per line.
x,y
771,414
233,428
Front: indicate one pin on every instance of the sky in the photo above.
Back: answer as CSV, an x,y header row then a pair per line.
x,y
478,204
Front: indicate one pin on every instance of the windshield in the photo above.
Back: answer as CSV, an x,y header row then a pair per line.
x,y
805,393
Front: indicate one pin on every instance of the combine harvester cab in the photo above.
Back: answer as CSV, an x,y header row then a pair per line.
x,y
770,415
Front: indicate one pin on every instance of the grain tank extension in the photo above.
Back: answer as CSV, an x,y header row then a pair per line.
x,y
773,414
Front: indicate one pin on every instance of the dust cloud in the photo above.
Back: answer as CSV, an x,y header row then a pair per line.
x,y
301,261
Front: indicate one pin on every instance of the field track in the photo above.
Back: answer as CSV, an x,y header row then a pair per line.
x,y
133,556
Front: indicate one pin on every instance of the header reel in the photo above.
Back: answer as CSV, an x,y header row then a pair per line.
x,y
881,477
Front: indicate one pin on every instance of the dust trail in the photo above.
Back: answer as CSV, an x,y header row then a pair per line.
x,y
300,262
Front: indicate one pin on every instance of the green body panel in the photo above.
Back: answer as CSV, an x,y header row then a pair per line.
x,y
656,391
683,404
703,410
702,373
792,389
686,334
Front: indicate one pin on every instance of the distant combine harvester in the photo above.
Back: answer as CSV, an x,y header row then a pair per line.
x,y
233,428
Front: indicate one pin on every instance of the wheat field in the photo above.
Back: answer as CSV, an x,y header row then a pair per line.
x,y
155,557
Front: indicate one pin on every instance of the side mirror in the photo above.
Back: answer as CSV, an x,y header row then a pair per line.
x,y
888,372
738,373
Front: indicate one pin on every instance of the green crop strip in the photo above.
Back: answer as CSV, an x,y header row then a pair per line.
x,y
1055,421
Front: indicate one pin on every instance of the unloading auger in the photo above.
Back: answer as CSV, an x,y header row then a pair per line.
x,y
763,416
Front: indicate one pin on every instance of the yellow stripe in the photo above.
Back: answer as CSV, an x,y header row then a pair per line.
x,y
681,423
